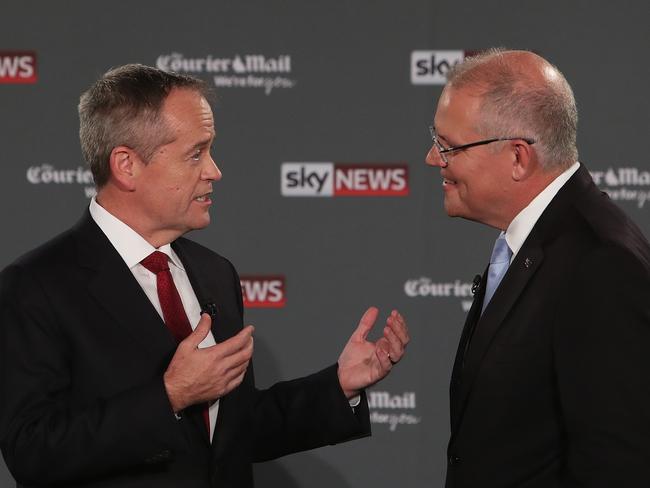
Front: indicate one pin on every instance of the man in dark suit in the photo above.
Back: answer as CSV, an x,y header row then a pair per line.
x,y
550,387
111,374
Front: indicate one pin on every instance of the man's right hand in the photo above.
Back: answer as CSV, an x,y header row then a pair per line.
x,y
199,375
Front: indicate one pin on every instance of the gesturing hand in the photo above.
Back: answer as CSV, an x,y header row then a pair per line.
x,y
198,375
363,363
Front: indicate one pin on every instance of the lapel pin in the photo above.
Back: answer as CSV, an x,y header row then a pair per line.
x,y
528,262
476,283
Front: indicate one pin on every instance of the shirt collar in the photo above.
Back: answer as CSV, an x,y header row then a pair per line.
x,y
130,245
525,220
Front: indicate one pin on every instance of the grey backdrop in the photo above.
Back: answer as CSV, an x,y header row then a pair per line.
x,y
351,101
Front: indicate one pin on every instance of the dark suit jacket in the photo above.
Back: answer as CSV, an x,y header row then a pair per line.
x,y
82,357
553,389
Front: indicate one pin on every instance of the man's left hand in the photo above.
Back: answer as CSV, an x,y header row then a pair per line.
x,y
363,363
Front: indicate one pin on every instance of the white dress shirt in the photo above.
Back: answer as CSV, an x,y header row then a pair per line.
x,y
525,220
133,248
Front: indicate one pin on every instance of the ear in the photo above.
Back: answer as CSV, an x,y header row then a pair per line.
x,y
124,163
524,162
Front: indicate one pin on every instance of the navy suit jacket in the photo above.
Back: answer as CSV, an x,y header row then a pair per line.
x,y
82,357
551,385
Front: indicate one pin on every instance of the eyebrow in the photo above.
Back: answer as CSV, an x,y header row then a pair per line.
x,y
203,144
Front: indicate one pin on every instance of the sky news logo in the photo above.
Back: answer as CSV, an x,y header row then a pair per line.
x,y
263,291
431,67
18,67
344,180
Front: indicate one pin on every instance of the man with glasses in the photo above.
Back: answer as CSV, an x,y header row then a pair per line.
x,y
550,386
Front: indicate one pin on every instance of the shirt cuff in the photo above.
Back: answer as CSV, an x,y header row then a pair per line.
x,y
355,401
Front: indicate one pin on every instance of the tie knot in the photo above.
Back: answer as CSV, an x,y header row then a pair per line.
x,y
501,252
156,262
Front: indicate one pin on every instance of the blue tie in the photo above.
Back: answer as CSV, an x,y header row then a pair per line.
x,y
499,262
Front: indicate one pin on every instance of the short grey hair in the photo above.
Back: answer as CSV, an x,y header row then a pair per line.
x,y
514,103
123,108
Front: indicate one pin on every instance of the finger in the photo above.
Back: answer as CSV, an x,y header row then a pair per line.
x,y
395,345
202,328
235,382
403,325
383,357
383,345
398,326
235,343
230,381
235,359
235,371
396,334
365,324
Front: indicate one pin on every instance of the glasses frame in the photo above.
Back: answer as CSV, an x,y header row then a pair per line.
x,y
443,151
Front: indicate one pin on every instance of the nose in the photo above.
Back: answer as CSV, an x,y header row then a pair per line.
x,y
434,158
211,171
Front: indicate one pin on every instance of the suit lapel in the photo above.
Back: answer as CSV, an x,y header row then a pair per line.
x,y
470,323
118,293
514,282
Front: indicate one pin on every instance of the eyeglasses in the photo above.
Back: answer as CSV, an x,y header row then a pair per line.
x,y
443,151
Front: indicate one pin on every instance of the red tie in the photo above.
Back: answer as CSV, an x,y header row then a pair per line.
x,y
170,303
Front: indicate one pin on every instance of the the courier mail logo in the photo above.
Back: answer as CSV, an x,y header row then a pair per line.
x,y
263,291
431,67
344,179
18,67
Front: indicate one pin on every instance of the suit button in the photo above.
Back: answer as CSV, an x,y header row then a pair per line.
x,y
453,460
